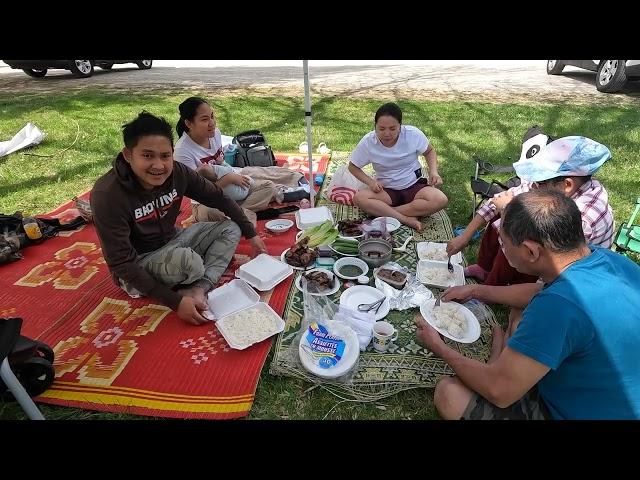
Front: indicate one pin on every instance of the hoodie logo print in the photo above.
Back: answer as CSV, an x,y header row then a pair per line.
x,y
157,208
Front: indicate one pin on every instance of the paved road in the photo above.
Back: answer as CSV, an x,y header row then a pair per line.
x,y
494,81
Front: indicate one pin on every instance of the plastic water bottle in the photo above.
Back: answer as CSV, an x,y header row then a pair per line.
x,y
279,196
305,203
31,228
230,154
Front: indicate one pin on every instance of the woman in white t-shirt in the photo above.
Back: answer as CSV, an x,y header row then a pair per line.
x,y
398,190
200,148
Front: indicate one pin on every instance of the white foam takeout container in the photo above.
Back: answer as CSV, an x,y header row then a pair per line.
x,y
458,273
424,248
232,298
264,272
310,217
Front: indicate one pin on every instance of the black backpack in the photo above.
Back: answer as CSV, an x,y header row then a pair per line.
x,y
31,361
13,236
253,150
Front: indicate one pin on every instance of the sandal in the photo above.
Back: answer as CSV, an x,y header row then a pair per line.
x,y
323,149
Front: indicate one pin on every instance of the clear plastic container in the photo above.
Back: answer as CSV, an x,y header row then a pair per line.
x,y
398,280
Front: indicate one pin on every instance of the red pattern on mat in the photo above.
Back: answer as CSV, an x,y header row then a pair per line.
x,y
118,354
300,163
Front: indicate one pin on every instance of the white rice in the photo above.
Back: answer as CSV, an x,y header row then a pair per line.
x,y
249,326
437,276
440,255
448,317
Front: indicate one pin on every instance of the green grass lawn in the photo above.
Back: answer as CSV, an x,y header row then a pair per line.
x,y
37,184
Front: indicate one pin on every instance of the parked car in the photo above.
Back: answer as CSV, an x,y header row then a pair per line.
x,y
79,68
612,74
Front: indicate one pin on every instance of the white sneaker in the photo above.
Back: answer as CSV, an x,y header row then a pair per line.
x,y
132,292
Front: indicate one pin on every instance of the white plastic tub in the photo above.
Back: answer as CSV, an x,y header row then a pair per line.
x,y
356,262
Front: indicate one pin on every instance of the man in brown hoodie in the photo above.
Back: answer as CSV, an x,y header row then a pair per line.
x,y
135,206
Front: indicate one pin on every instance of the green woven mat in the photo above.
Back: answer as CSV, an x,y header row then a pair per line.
x,y
406,364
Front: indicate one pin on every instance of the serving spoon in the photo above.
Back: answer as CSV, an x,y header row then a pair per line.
x,y
403,248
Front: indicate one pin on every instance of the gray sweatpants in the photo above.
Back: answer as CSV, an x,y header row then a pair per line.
x,y
202,250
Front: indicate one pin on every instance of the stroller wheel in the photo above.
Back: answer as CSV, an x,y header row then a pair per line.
x,y
36,375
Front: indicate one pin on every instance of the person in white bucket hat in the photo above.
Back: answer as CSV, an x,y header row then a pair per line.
x,y
564,165
566,157
491,263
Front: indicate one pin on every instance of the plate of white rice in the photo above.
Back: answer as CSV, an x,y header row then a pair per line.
x,y
452,320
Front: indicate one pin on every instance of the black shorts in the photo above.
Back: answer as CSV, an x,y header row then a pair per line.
x,y
529,407
406,195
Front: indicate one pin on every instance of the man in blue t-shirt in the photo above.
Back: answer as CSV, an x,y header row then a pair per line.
x,y
576,350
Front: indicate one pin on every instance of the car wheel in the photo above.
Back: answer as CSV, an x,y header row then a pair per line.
x,y
611,76
106,66
81,68
144,64
554,67
35,73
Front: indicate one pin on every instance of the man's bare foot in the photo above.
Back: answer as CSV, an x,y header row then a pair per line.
x,y
497,339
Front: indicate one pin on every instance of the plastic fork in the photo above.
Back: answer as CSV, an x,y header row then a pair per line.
x,y
449,266
437,304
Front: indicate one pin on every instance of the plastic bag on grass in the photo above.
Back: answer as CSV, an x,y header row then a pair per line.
x,y
325,346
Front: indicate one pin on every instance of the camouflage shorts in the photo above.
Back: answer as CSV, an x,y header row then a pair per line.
x,y
529,407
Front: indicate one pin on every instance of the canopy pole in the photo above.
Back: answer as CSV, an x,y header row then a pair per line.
x,y
307,118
